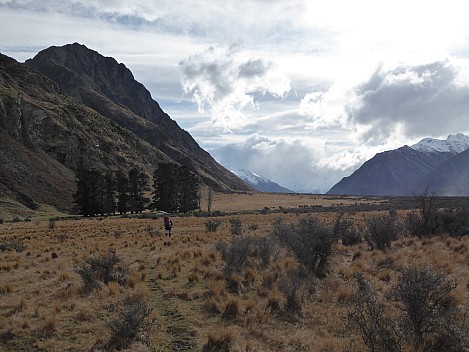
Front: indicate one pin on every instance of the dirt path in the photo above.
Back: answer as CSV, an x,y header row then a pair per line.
x,y
177,334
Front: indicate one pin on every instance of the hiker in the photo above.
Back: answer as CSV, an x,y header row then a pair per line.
x,y
168,224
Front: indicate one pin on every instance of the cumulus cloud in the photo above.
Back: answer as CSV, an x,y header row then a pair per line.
x,y
406,102
425,100
225,82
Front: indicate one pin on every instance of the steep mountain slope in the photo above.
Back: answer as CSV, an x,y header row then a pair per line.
x,y
451,178
394,172
45,135
109,88
440,165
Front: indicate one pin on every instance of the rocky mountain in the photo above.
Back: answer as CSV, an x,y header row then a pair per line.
x,y
108,87
410,170
49,126
259,183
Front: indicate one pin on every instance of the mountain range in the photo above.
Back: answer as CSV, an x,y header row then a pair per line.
x,y
439,166
70,106
258,182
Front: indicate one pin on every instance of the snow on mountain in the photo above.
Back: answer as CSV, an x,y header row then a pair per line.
x,y
259,182
455,144
248,176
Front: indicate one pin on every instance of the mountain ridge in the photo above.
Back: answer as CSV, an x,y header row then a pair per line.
x,y
108,87
46,134
410,170
258,182
455,144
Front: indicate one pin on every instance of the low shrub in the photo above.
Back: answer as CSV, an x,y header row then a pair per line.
x,y
236,226
429,316
454,222
367,317
425,221
343,229
382,230
292,290
308,240
253,251
51,224
232,308
212,225
132,320
102,269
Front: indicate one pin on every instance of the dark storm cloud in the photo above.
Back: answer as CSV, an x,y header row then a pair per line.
x,y
424,100
253,68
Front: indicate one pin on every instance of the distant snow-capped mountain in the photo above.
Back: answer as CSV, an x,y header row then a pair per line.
x,y
439,165
455,144
259,182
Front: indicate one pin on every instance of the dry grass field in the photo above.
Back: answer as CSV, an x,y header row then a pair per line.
x,y
175,294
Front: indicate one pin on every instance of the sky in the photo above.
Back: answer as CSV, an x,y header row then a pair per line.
x,y
300,92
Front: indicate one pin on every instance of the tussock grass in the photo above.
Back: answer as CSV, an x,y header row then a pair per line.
x,y
257,304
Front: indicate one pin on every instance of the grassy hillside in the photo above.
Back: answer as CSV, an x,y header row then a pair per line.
x,y
189,294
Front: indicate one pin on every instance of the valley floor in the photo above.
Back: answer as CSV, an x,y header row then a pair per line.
x,y
180,287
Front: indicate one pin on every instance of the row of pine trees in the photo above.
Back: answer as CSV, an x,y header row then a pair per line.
x,y
174,189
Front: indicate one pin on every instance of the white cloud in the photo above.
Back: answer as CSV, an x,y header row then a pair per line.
x,y
225,82
340,109
406,102
424,100
295,163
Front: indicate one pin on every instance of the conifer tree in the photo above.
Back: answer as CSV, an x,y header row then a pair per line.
x,y
175,188
189,190
122,187
89,194
109,194
138,184
165,187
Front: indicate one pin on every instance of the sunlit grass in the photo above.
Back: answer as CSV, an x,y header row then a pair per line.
x,y
183,281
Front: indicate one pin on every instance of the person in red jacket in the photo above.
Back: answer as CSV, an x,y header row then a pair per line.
x,y
168,225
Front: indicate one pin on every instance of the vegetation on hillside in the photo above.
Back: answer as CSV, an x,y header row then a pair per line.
x,y
175,189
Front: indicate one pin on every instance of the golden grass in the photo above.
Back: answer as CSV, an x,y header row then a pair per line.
x,y
42,306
